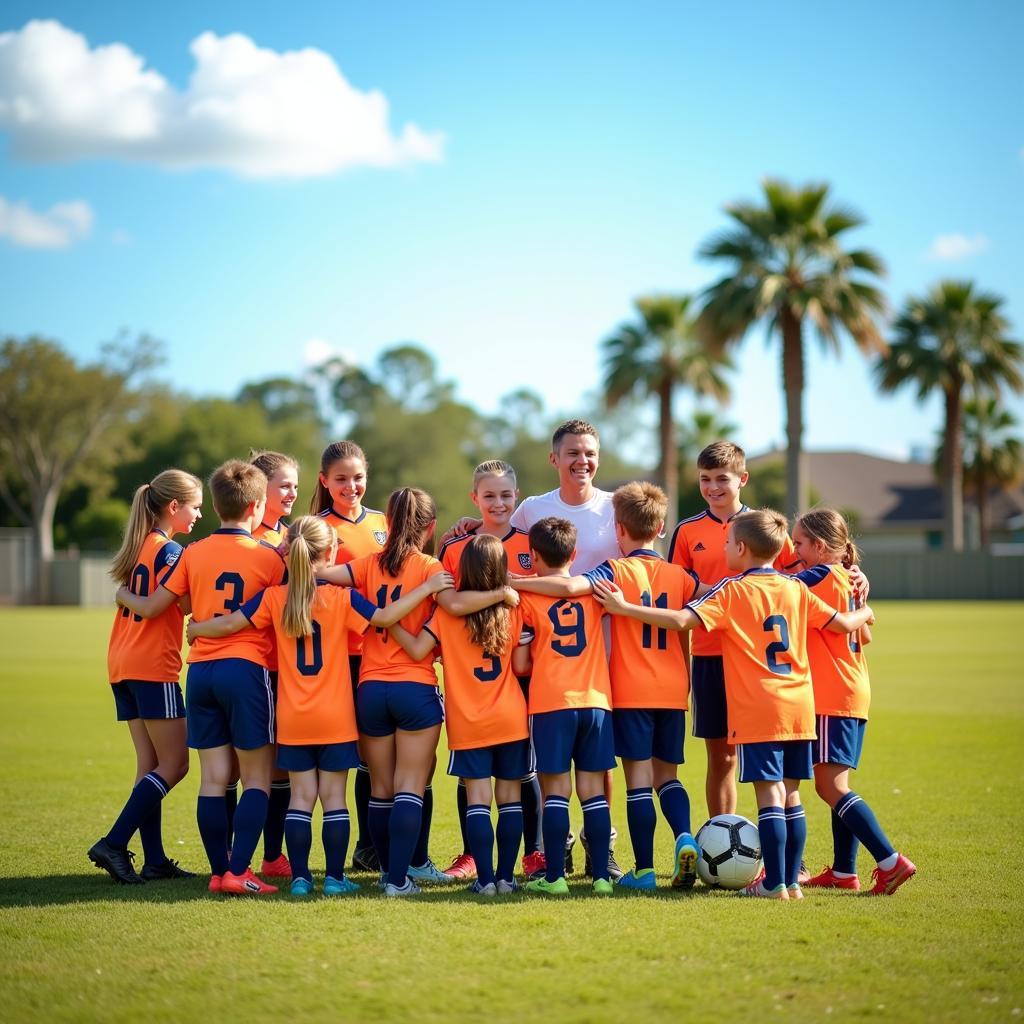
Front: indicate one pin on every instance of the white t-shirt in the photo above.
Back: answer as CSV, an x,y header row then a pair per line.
x,y
594,521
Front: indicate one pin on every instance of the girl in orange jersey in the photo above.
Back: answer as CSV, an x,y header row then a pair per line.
x,y
488,734
316,726
143,663
338,500
842,694
282,473
398,705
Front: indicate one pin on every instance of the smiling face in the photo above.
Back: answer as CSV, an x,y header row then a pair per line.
x,y
345,481
720,488
809,550
185,514
576,459
495,496
282,489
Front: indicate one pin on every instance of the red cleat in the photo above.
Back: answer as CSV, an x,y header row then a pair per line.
x,y
462,867
215,882
279,868
247,884
887,882
828,879
534,864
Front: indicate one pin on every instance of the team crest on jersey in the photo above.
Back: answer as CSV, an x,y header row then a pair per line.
x,y
524,561
380,536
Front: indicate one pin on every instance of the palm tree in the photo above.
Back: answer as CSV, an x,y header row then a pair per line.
x,y
953,339
788,266
654,357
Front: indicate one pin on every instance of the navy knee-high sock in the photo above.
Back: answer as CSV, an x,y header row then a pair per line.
x,y
509,833
151,834
771,826
796,839
250,817
675,805
212,819
481,841
298,831
230,806
146,795
421,852
336,832
861,821
379,818
597,824
844,847
531,813
556,830
461,803
277,808
362,802
642,819
404,831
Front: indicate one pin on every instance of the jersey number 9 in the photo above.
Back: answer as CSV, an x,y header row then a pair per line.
x,y
567,621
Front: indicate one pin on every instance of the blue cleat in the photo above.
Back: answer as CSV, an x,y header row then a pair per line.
x,y
631,880
339,886
301,886
687,853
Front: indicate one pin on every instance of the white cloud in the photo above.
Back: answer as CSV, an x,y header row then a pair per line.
x,y
255,112
316,352
55,228
954,247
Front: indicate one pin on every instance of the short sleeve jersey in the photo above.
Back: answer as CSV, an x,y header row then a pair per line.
x,y
364,535
570,667
314,690
648,666
594,521
764,618
698,544
384,660
148,649
272,535
516,545
483,701
838,667
220,573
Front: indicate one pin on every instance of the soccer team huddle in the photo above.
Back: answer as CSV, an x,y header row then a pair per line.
x,y
567,643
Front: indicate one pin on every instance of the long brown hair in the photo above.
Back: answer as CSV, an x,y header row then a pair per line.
x,y
830,527
410,512
149,504
484,566
309,542
334,452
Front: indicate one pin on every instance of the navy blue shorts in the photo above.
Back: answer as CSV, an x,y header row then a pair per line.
x,y
137,698
579,736
775,760
381,708
328,757
840,740
643,733
229,701
707,687
502,761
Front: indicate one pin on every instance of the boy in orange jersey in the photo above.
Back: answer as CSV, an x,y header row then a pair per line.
x,y
649,677
764,617
570,708
228,700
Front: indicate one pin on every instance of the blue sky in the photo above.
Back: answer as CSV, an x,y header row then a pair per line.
x,y
565,159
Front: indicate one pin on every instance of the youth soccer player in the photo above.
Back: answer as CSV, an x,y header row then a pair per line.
x,y
764,617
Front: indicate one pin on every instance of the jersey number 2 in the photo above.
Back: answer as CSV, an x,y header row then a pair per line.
x,y
780,646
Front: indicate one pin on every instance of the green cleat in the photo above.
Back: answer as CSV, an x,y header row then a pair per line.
x,y
559,887
603,887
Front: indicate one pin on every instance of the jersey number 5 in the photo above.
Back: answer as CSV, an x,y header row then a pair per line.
x,y
780,646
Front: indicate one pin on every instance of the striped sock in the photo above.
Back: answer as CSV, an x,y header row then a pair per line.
x,y
298,831
481,841
771,826
336,832
509,834
858,817
796,839
277,808
378,815
642,819
597,824
555,825
404,830
675,805
146,795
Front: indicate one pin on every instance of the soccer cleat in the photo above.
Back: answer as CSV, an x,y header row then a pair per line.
x,y
828,879
364,858
631,880
339,886
117,863
687,853
169,869
759,890
559,887
803,875
396,891
277,868
428,872
887,882
795,892
214,883
506,888
479,889
570,841
534,864
302,886
246,884
614,871
462,867
603,887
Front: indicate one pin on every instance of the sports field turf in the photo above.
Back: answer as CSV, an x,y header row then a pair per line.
x,y
942,768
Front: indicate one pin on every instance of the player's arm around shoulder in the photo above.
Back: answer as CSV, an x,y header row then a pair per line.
x,y
430,587
611,598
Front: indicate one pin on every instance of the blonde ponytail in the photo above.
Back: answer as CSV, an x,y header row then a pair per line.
x,y
309,541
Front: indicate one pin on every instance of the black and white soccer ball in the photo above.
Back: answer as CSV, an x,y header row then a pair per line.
x,y
730,852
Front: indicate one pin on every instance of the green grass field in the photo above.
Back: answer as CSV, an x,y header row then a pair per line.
x,y
943,768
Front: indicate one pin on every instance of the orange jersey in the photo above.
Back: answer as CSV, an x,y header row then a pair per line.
x,y
516,545
698,544
148,649
483,701
314,690
648,666
364,535
272,535
570,667
220,573
764,618
839,670
383,657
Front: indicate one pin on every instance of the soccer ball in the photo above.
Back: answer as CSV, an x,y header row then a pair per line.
x,y
730,852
